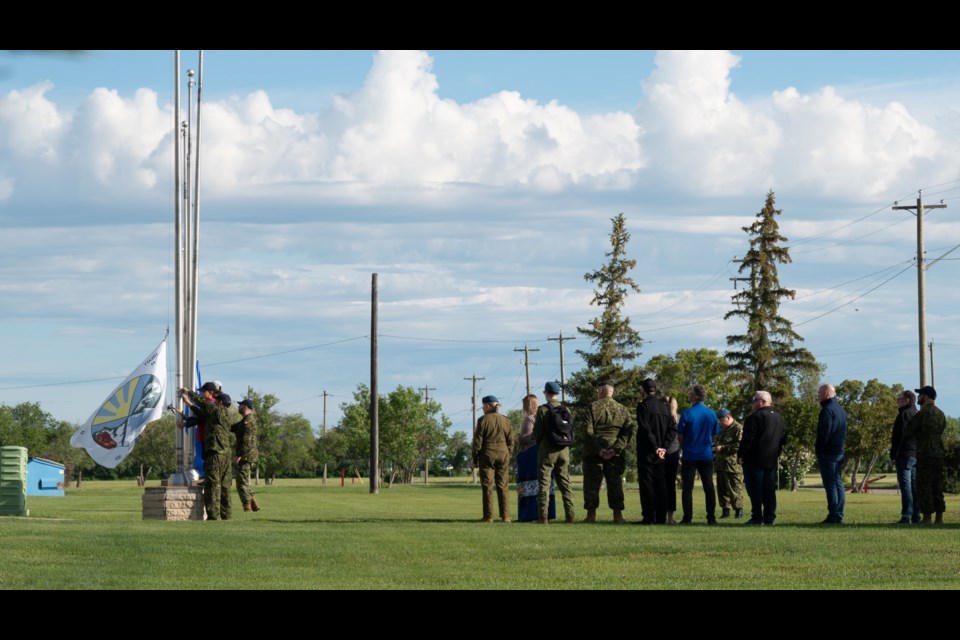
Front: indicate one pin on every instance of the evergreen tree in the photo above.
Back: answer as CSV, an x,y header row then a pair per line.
x,y
765,357
616,343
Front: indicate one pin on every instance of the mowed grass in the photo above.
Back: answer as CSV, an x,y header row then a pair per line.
x,y
308,536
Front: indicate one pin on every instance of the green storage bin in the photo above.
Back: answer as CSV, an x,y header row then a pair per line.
x,y
13,481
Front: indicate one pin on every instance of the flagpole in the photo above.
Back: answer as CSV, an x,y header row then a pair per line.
x,y
195,257
179,478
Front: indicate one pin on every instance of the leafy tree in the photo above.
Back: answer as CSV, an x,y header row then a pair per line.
x,y
294,447
457,451
155,450
26,425
330,449
800,420
412,430
765,357
677,373
268,430
871,409
616,343
800,412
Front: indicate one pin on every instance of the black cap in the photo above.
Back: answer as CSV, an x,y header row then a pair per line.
x,y
928,391
209,386
224,399
649,385
490,400
246,402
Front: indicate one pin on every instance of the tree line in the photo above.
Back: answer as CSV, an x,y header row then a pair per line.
x,y
766,354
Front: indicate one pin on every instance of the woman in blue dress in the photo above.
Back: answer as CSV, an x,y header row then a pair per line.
x,y
527,484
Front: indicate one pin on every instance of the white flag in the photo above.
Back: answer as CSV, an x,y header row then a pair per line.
x,y
110,433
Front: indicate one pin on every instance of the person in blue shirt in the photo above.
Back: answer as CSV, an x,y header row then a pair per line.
x,y
697,429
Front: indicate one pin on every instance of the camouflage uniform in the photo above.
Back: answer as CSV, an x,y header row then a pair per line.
x,y
927,429
217,448
492,444
552,462
246,433
609,425
729,472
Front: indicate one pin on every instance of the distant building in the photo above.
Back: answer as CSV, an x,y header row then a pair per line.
x,y
44,477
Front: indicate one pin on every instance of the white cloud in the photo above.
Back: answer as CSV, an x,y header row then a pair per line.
x,y
833,145
30,124
701,134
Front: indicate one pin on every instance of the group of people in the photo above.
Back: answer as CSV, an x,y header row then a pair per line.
x,y
707,442
229,448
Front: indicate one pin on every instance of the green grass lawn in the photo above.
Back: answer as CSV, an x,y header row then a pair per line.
x,y
308,536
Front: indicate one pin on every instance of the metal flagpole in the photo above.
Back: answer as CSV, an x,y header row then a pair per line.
x,y
195,271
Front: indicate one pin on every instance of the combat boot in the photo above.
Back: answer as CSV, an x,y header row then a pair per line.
x,y
542,521
506,518
253,504
247,507
725,513
738,514
591,516
618,517
570,518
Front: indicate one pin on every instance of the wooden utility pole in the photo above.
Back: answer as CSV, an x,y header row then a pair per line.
x,y
323,432
374,395
473,433
526,362
563,381
921,281
932,377
426,392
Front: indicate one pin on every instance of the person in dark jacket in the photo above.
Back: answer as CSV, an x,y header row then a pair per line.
x,y
903,454
763,438
831,439
927,429
656,432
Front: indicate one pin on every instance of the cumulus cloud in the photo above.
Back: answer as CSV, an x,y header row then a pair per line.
x,y
397,133
708,140
832,144
704,135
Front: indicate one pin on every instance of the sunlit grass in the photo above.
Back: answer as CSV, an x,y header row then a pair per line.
x,y
427,537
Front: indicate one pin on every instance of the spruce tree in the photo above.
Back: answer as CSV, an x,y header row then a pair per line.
x,y
765,357
615,342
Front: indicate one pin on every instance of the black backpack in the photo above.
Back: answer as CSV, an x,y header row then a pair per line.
x,y
561,425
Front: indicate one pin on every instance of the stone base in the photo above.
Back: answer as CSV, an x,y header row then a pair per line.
x,y
173,503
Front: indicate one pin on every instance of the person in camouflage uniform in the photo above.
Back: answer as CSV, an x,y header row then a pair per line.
x,y
729,471
217,451
553,461
926,428
609,428
492,444
247,454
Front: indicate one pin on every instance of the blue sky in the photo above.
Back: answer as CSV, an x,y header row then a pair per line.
x,y
480,186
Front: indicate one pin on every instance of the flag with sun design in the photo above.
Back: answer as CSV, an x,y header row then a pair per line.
x,y
110,433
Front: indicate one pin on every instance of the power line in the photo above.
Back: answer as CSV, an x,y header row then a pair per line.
x,y
703,286
387,335
836,229
799,324
59,384
837,286
866,235
280,353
